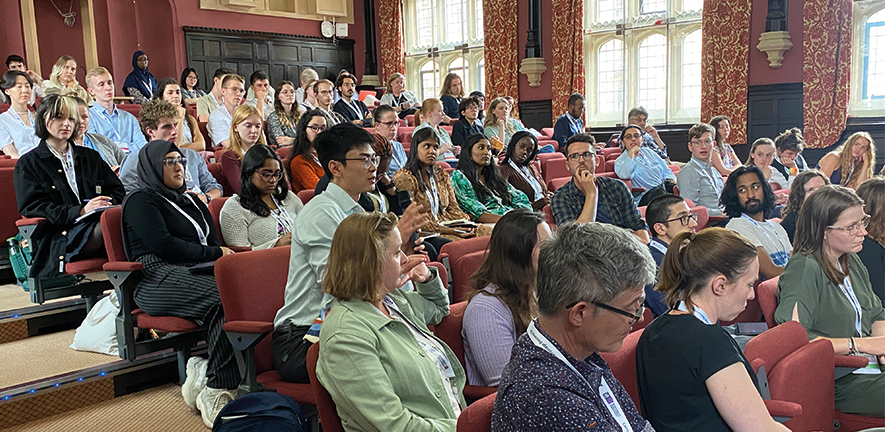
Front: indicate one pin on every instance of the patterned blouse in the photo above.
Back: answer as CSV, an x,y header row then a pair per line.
x,y
276,128
469,202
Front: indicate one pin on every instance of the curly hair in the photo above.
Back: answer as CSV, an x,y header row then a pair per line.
x,y
732,203
797,190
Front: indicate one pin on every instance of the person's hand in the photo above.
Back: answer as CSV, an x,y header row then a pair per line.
x,y
586,182
633,151
788,161
203,198
465,233
415,270
501,124
456,150
261,96
781,199
226,251
182,113
446,119
414,217
871,345
285,141
285,239
406,106
94,203
652,131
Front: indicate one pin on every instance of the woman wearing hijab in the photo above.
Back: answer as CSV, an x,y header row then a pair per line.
x,y
168,230
140,84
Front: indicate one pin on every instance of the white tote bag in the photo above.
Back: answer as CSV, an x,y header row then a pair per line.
x,y
98,333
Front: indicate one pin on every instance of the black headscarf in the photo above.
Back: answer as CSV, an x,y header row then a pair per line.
x,y
150,171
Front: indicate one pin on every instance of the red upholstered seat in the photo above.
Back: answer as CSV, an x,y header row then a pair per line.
x,y
548,132
555,168
305,195
543,142
449,330
478,416
283,152
556,183
462,269
301,393
164,323
703,216
623,365
134,109
215,210
609,166
411,119
610,152
204,129
450,252
548,215
8,163
90,265
767,296
9,209
325,405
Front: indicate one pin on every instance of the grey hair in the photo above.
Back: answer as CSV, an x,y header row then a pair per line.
x,y
590,262
640,110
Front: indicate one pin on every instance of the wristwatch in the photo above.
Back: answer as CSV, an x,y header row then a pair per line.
x,y
852,347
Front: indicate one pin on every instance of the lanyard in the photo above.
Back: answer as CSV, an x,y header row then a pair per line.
x,y
779,240
315,159
284,221
194,186
532,181
30,118
201,232
852,299
698,313
649,167
657,246
706,174
378,201
433,196
574,123
605,392
352,106
67,164
401,99
332,119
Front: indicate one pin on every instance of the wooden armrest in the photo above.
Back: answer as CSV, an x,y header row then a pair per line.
x,y
778,408
256,327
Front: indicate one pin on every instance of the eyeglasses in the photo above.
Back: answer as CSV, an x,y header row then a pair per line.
x,y
574,157
389,124
368,161
325,92
270,175
864,223
316,128
634,316
704,143
236,89
684,219
636,135
347,84
172,161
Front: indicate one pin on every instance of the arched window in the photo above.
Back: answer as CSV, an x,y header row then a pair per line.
x,y
610,77
691,70
429,73
874,57
653,72
460,67
456,20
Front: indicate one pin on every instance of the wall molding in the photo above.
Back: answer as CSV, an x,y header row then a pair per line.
x,y
266,35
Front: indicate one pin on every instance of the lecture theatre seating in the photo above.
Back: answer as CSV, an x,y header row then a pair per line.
x,y
449,330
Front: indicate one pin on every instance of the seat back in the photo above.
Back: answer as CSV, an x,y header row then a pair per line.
x,y
252,287
767,295
776,343
623,365
305,195
703,217
9,209
112,233
283,152
548,215
805,376
449,330
8,163
462,269
451,251
554,184
555,168
215,210
325,405
609,166
478,416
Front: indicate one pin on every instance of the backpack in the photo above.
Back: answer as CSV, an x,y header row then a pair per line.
x,y
20,258
260,411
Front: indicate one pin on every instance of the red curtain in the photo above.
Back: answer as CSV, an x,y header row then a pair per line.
x,y
502,68
826,48
568,53
724,59
390,19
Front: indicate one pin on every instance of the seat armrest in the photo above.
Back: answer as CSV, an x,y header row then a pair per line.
x,y
30,221
123,266
637,190
240,248
846,364
28,226
782,411
255,327
715,219
473,392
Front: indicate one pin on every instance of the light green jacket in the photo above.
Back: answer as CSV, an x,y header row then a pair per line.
x,y
377,374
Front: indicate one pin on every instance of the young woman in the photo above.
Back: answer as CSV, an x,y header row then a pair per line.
x,y
804,184
375,335
450,96
190,88
520,171
499,312
761,155
310,98
706,277
643,166
852,163
63,80
281,122
431,115
245,131
189,135
498,123
403,101
168,230
61,181
17,123
140,84
872,192
302,163
826,288
263,214
110,152
429,186
723,158
479,187
788,162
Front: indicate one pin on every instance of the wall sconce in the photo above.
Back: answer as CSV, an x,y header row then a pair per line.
x,y
533,68
775,44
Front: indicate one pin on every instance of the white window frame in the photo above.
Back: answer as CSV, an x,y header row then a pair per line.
x,y
857,106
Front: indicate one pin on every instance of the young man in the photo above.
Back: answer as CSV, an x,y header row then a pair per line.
x,y
159,121
232,90
208,103
588,198
345,152
308,76
468,124
104,117
349,106
261,94
323,90
748,200
386,125
667,216
639,116
571,122
698,180
15,62
310,98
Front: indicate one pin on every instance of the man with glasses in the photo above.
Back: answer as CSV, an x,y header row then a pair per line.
x,y
323,90
698,180
555,379
639,116
159,121
349,106
468,124
590,198
748,200
386,125
667,216
232,90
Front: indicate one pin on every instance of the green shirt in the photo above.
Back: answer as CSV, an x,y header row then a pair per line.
x,y
470,204
824,309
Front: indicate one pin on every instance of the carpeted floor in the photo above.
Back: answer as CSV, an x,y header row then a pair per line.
x,y
44,356
14,297
156,409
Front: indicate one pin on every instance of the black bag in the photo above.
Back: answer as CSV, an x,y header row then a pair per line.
x,y
260,411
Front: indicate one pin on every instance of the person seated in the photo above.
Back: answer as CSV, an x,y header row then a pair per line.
x,y
482,192
698,180
190,86
826,288
707,279
307,77
570,123
803,185
590,198
323,90
110,153
15,62
468,123
302,164
431,116
189,135
61,182
584,310
383,198
872,192
851,164
282,120
158,122
168,230
370,336
262,215
498,123
17,122
667,215
245,131
450,96
724,158
349,106
501,310
519,170
310,98
403,101
748,200
386,125
260,93
212,100
219,125
650,138
140,84
63,80
345,152
643,167
118,125
761,155
788,162
482,104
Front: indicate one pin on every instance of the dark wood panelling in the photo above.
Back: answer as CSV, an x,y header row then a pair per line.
x,y
282,56
773,109
536,114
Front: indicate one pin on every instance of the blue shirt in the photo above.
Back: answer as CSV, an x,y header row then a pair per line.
x,y
120,127
14,131
646,170
701,183
398,159
655,300
565,127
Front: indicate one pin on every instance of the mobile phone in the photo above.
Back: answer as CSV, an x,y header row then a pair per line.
x,y
405,200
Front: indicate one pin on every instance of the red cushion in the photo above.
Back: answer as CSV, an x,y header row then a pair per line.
x,y
478,416
90,265
302,393
248,327
325,405
164,323
8,211
623,365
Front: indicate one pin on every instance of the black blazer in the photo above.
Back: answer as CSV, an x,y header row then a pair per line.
x,y
462,129
341,107
42,190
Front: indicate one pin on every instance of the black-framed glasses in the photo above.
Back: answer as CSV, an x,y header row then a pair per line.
x,y
634,316
270,175
684,219
865,222
389,124
317,128
172,161
368,161
587,155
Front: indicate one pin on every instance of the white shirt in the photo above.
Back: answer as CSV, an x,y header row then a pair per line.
x,y
14,131
219,124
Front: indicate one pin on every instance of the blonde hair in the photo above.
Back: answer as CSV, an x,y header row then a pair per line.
x,y
240,115
56,107
58,66
492,119
845,158
392,78
428,105
94,72
356,257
